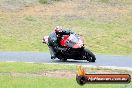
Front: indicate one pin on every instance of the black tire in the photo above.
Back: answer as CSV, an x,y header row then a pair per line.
x,y
89,55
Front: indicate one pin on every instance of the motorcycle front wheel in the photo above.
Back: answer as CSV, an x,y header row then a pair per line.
x,y
89,55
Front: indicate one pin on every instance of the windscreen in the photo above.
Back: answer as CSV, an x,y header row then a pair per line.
x,y
72,40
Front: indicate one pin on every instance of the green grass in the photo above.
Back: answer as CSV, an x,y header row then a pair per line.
x,y
26,67
11,81
43,1
123,2
45,82
24,33
46,1
101,37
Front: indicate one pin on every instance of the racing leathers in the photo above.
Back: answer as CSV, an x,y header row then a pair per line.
x,y
53,42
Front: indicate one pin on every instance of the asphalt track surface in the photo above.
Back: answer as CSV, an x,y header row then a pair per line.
x,y
102,60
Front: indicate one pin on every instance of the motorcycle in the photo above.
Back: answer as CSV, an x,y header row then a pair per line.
x,y
75,49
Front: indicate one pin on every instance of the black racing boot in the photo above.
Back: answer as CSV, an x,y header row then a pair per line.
x,y
53,57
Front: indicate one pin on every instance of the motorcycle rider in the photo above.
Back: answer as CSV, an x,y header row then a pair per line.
x,y
54,39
